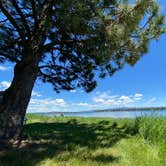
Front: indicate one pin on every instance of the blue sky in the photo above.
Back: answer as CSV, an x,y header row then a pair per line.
x,y
138,86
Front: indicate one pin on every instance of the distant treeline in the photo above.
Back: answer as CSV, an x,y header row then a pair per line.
x,y
133,109
107,110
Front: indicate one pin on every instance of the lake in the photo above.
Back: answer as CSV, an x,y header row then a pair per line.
x,y
117,114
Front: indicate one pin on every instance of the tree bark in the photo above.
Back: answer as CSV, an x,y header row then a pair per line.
x,y
15,99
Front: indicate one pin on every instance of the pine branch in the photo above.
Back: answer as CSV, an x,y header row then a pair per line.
x,y
12,21
23,19
6,55
34,15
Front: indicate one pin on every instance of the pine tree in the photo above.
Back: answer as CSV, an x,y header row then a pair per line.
x,y
69,43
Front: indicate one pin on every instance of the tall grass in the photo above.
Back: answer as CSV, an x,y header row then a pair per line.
x,y
152,129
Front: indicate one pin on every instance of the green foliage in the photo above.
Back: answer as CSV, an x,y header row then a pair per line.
x,y
74,39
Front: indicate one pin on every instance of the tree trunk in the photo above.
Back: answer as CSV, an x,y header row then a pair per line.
x,y
15,99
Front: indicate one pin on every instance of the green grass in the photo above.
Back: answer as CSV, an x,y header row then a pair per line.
x,y
64,141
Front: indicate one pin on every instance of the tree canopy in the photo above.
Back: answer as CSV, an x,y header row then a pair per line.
x,y
78,40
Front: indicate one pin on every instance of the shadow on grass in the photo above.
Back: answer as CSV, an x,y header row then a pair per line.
x,y
48,140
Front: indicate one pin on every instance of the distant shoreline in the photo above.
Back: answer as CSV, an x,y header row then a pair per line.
x,y
109,110
133,109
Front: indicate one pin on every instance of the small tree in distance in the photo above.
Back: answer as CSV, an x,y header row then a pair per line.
x,y
66,43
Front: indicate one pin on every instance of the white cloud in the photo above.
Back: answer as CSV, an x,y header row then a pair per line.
x,y
115,100
81,104
4,85
46,105
138,96
125,100
49,102
59,105
105,99
100,101
73,91
3,68
37,94
60,102
152,100
105,96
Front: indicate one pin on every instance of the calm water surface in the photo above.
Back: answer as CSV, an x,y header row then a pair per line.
x,y
118,114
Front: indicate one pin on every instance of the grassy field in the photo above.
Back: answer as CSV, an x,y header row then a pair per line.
x,y
64,141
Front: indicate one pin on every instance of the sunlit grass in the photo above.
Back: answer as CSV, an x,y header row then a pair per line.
x,y
68,141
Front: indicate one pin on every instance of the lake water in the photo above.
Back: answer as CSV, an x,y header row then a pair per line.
x,y
118,114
